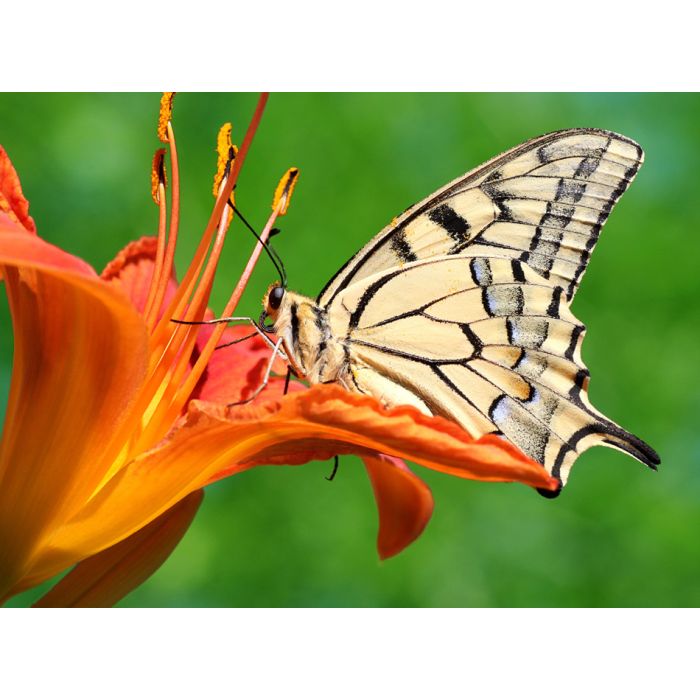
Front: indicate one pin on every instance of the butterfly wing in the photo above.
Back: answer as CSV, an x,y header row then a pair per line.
x,y
485,341
542,203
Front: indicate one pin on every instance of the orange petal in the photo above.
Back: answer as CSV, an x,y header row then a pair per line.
x,y
12,201
79,356
315,424
105,578
18,248
404,501
132,270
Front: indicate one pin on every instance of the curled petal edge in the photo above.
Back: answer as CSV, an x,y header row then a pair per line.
x,y
13,203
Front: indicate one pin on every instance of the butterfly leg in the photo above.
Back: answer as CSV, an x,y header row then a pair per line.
x,y
336,462
238,340
213,321
234,319
266,378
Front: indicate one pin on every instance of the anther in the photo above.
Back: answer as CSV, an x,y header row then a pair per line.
x,y
158,176
166,113
283,193
226,153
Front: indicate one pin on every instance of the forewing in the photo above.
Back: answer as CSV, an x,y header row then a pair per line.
x,y
486,342
542,203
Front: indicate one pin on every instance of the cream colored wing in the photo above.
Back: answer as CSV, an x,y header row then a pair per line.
x,y
542,203
484,341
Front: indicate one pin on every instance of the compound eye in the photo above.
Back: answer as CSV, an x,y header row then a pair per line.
x,y
275,297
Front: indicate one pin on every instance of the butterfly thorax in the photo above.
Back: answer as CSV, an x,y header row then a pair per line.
x,y
312,350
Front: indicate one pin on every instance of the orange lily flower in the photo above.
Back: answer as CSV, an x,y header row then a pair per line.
x,y
117,417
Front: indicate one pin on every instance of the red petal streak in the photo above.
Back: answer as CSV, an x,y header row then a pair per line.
x,y
105,578
12,201
404,501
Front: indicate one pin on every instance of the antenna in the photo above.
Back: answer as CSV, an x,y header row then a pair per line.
x,y
271,252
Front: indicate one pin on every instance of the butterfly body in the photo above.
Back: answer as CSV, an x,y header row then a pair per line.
x,y
314,353
461,306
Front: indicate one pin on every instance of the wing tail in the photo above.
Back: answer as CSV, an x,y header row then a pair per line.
x,y
618,438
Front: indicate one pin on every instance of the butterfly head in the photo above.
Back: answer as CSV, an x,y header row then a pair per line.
x,y
273,302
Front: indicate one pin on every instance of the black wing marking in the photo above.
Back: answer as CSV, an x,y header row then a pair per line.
x,y
542,203
491,346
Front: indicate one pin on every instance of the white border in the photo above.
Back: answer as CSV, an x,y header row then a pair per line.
x,y
379,45
354,654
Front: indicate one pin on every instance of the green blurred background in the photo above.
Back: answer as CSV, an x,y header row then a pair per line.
x,y
620,535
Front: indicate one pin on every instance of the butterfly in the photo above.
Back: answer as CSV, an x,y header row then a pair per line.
x,y
461,306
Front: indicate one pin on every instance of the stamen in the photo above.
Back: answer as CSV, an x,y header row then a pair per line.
x,y
201,294
226,152
179,302
161,283
166,113
189,384
284,190
158,180
171,345
172,365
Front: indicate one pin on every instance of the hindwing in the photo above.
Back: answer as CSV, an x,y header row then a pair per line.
x,y
485,341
